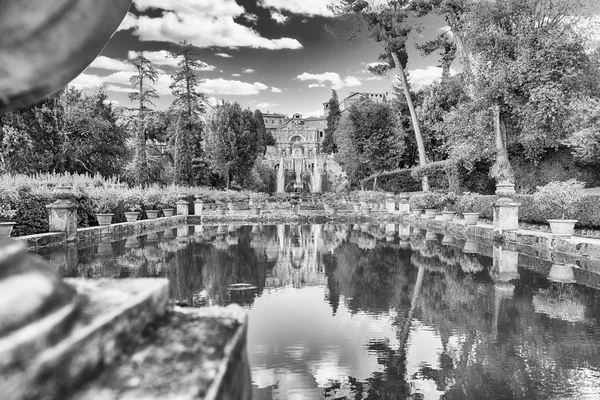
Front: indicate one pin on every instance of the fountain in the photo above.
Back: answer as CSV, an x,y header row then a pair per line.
x,y
316,177
281,178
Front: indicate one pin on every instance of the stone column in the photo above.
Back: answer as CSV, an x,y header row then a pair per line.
x,y
182,207
62,213
506,211
404,205
198,207
390,204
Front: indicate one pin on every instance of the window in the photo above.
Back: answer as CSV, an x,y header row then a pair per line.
x,y
321,134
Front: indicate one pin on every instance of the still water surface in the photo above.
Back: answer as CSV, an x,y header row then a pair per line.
x,y
374,311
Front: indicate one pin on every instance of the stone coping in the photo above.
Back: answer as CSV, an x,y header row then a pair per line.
x,y
197,353
111,314
124,229
581,252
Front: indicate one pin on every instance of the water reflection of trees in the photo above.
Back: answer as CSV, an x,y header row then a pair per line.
x,y
504,332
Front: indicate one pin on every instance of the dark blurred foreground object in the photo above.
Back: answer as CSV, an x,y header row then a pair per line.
x,y
44,44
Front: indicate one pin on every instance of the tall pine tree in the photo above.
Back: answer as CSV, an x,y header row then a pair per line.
x,y
188,106
144,94
333,119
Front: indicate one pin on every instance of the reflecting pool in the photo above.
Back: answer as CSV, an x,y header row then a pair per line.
x,y
376,311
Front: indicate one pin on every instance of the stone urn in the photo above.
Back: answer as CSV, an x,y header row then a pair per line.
x,y
430,236
417,212
6,228
255,210
168,212
431,213
471,247
152,214
448,215
448,240
104,219
132,216
471,218
563,228
505,191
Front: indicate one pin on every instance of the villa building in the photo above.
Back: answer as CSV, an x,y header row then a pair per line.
x,y
359,96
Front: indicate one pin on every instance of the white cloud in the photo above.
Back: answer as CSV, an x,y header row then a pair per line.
x,y
332,77
231,87
279,17
251,18
248,71
316,85
265,105
426,76
276,90
236,74
224,55
204,23
128,22
164,58
118,89
111,64
86,81
304,7
112,102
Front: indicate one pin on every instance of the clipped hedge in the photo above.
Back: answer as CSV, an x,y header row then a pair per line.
x,y
588,214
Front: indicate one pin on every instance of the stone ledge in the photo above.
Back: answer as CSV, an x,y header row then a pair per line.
x,y
193,354
89,234
111,314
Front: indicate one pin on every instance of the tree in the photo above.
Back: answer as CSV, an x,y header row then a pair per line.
x,y
188,106
144,94
220,142
370,140
389,25
333,119
265,137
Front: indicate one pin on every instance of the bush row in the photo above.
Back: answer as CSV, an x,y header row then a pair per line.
x,y
27,197
588,210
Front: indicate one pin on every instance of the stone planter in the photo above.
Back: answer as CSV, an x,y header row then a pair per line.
x,y
104,219
255,210
168,212
471,247
562,227
132,242
152,214
199,207
561,273
417,212
430,213
6,228
131,216
429,235
356,207
471,218
448,240
448,215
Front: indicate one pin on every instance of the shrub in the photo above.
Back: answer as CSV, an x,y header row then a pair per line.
x,y
427,200
561,196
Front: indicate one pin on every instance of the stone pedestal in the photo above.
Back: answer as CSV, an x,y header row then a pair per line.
x,y
505,265
404,207
198,207
182,207
506,216
63,218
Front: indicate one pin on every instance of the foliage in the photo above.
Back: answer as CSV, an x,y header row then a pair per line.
x,y
428,200
369,140
333,119
584,123
564,196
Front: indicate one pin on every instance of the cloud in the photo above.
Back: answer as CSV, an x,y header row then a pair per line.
x,y
251,18
231,87
164,58
236,74
86,81
265,105
279,17
224,55
332,77
316,85
248,71
204,23
303,7
423,77
276,90
111,102
111,64
129,22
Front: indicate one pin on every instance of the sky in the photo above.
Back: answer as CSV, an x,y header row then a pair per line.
x,y
272,55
